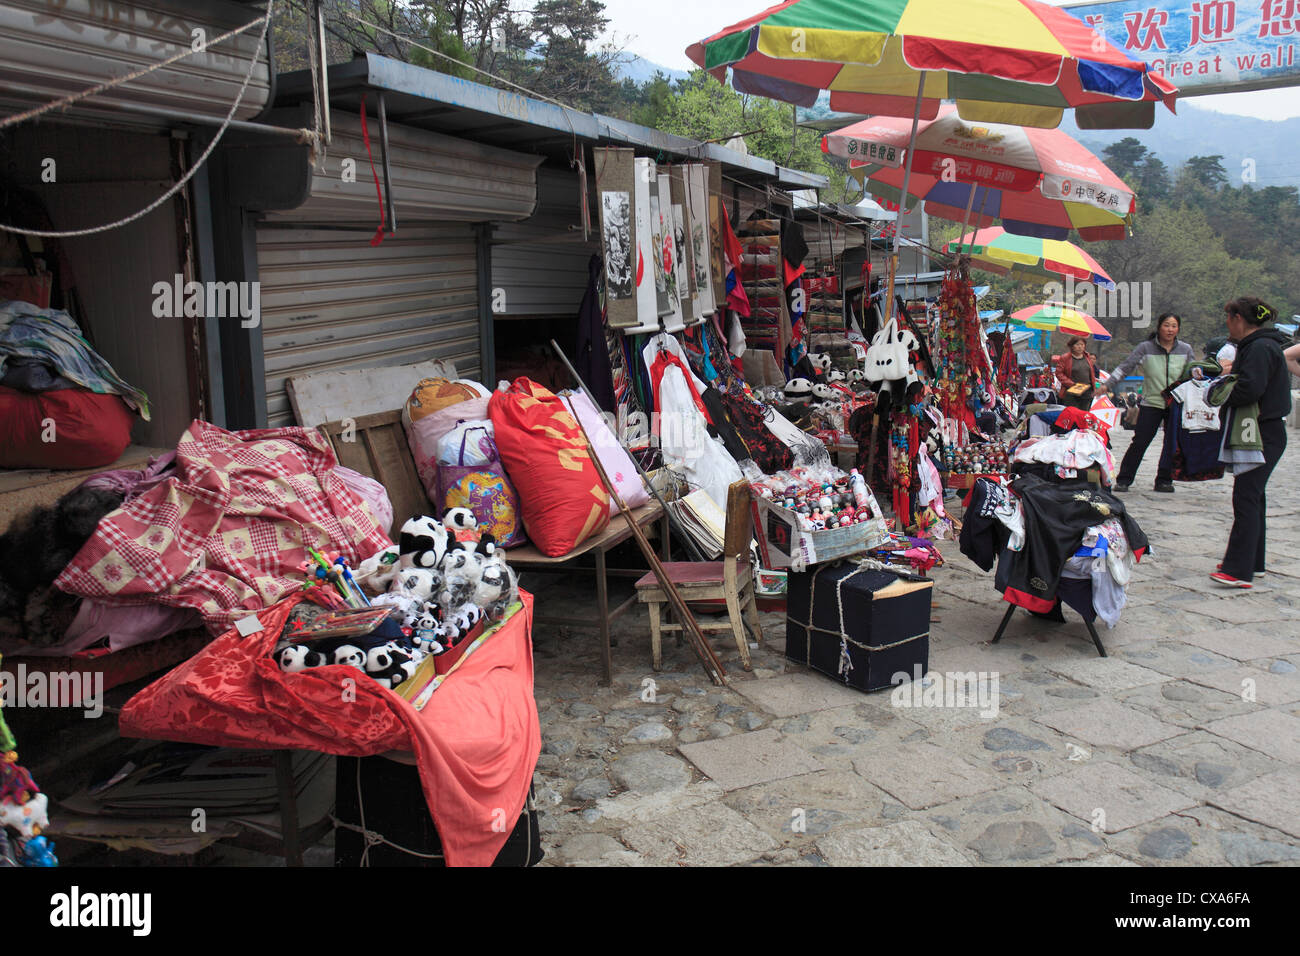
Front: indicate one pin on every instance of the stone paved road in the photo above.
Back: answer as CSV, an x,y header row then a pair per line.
x,y
1181,748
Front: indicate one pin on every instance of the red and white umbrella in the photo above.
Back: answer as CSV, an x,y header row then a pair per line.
x,y
1039,182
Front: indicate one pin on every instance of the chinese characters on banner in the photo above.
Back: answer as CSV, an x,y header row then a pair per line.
x,y
1205,46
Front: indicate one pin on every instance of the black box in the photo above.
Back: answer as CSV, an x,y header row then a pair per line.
x,y
396,809
858,626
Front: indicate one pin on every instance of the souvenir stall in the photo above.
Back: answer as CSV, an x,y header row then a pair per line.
x,y
1052,527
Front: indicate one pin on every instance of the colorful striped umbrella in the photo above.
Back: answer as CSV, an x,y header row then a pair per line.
x,y
1003,61
1059,317
1028,257
1039,182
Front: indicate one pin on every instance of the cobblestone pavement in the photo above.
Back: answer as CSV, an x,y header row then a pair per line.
x,y
1180,748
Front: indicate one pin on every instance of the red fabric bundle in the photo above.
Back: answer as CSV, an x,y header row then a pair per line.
x,y
561,496
476,741
85,430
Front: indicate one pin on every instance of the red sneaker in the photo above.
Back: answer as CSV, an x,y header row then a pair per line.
x,y
1227,580
1258,574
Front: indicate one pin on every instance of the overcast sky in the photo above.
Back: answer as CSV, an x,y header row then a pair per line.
x,y
661,31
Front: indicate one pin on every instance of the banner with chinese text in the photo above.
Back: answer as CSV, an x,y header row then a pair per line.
x,y
1205,46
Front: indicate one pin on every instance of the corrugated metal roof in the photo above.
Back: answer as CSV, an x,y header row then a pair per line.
x,y
420,97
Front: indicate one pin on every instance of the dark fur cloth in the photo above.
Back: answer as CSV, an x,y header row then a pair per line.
x,y
35,549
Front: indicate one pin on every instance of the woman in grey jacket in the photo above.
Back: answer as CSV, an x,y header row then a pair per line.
x,y
1161,360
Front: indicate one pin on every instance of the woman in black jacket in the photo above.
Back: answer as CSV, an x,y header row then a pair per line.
x,y
1262,377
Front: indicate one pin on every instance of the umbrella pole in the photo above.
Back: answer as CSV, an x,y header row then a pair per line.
x,y
970,204
902,205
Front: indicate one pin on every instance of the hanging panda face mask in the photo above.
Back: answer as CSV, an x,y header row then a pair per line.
x,y
889,364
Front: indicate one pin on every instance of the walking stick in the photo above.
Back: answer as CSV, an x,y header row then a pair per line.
x,y
712,666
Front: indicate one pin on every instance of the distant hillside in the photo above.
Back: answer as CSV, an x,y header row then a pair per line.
x,y
1200,132
640,70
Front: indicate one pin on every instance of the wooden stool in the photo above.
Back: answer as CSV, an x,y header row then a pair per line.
x,y
730,580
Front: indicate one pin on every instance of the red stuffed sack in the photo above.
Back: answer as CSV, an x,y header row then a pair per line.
x,y
84,430
561,497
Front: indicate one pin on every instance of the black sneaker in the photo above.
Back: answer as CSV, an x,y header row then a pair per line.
x,y
1165,486
1122,486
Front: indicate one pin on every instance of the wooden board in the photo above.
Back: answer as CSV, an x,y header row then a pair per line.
x,y
375,445
333,396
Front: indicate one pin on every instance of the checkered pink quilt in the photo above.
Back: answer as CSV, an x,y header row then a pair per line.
x,y
230,531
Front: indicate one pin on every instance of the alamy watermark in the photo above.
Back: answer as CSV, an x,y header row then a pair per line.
x,y
208,300
1128,300
83,689
973,689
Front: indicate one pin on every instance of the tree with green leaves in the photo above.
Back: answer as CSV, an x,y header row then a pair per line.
x,y
1208,171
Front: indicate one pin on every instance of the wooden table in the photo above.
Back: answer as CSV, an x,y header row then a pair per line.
x,y
528,558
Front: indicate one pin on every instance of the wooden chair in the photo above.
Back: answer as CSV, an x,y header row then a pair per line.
x,y
730,580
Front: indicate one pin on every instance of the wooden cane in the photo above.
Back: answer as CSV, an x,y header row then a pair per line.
x,y
712,666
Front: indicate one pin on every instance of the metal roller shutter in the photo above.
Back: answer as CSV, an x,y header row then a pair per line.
x,y
55,48
331,301
540,264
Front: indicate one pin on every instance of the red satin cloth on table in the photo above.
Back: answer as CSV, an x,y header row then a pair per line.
x,y
476,742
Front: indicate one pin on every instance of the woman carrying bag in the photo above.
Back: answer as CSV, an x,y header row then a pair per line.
x,y
1076,374
1161,359
1263,380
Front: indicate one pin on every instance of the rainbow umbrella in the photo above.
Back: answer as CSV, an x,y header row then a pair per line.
x,y
1059,317
1003,61
1028,258
1039,182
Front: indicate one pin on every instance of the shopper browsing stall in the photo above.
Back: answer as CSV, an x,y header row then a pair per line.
x,y
1263,387
1077,367
1161,359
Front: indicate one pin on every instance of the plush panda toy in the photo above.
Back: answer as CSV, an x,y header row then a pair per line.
x,y
461,523
825,393
820,360
351,655
423,543
497,588
299,657
836,375
798,390
389,665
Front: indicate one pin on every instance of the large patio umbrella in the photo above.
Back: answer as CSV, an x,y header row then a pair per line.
x,y
1003,61
1061,317
1028,257
1039,182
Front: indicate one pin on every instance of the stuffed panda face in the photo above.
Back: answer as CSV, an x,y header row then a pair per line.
x,y
379,660
821,360
857,375
351,655
423,542
459,519
427,620
798,389
293,658
835,375
824,392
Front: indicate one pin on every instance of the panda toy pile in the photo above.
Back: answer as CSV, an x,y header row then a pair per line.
x,y
442,577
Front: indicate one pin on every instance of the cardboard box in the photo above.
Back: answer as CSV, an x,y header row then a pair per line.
x,y
857,626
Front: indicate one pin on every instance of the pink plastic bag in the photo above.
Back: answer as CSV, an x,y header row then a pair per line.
x,y
613,457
